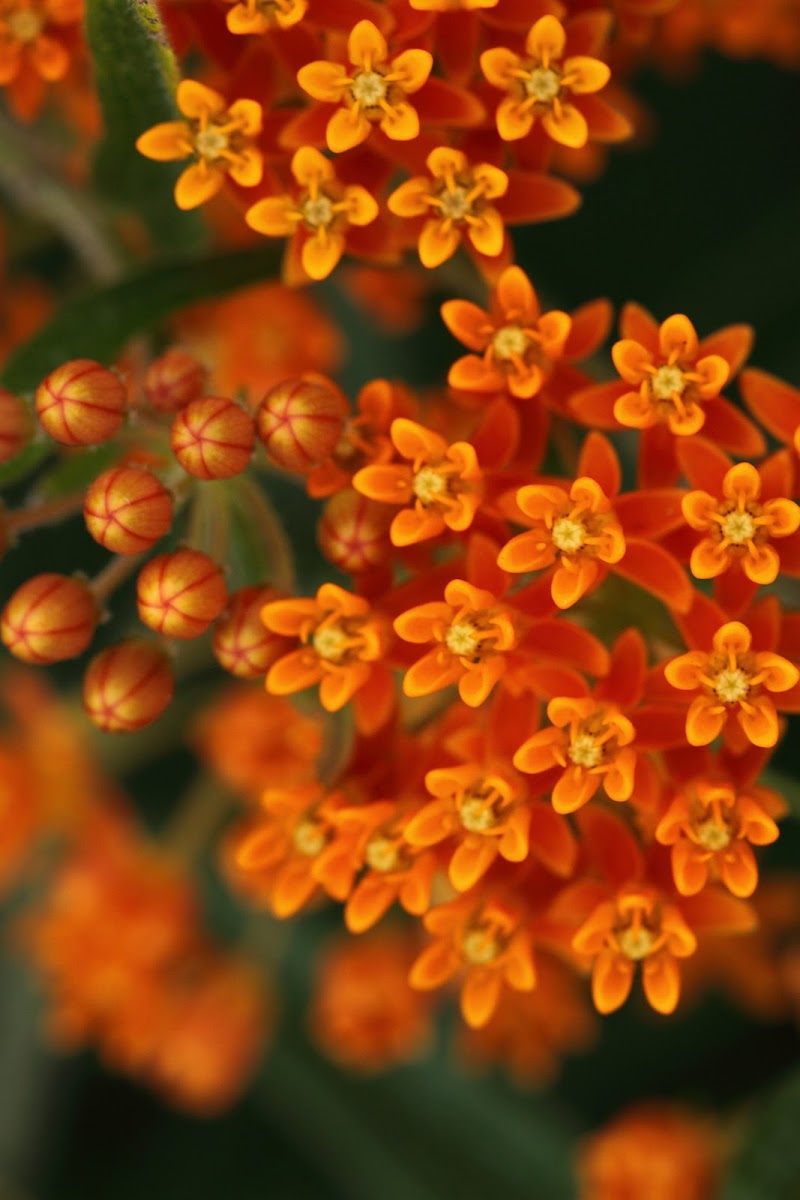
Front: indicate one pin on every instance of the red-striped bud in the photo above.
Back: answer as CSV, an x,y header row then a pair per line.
x,y
127,686
353,532
174,379
15,425
213,438
50,618
180,594
301,421
81,403
242,644
127,510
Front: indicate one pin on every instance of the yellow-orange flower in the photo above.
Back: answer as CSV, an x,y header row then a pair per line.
x,y
472,633
29,36
319,216
739,526
374,93
635,927
258,16
732,678
221,138
540,85
440,487
457,200
711,828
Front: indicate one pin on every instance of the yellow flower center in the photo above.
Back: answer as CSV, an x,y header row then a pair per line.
x,y
368,88
331,643
636,942
568,534
713,835
429,484
309,838
318,211
479,947
210,143
476,814
667,382
454,205
543,84
732,685
585,750
25,25
463,639
739,527
381,854
510,342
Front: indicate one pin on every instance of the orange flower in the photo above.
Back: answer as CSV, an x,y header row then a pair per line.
x,y
518,341
732,678
259,16
440,488
637,926
490,941
342,643
456,201
34,43
473,633
375,93
738,526
711,828
221,137
591,741
541,85
318,219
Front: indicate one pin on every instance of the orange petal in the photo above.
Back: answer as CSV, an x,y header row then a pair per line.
x,y
195,100
413,525
436,964
367,904
324,81
470,324
348,127
390,484
411,68
689,867
661,979
760,722
570,584
612,978
471,860
479,997
546,40
366,46
272,216
574,789
419,625
438,241
705,720
293,672
321,253
677,335
497,65
430,674
586,74
739,870
310,167
487,234
432,824
567,126
631,359
513,120
197,184
166,142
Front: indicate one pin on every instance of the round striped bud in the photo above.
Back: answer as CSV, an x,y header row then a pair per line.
x,y
242,644
180,594
301,421
50,618
213,438
127,686
353,532
127,510
81,403
15,425
174,379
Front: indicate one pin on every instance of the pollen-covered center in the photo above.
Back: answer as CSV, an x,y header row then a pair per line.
x,y
585,750
368,88
318,211
543,84
732,685
712,834
309,838
510,342
636,942
463,639
476,815
455,204
331,643
429,484
568,535
210,143
739,527
381,853
24,24
479,947
666,382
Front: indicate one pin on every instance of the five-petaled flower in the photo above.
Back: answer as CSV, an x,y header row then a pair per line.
x,y
542,86
221,138
259,16
440,487
319,217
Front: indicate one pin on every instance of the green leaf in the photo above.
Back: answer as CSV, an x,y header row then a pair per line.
x,y
767,1166
136,76
98,325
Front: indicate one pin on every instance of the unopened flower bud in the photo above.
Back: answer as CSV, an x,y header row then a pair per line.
x,y
81,403
50,618
180,594
213,438
174,379
242,644
301,421
127,686
127,510
353,532
15,425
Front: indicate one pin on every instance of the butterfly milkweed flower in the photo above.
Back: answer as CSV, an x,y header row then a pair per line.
x,y
35,48
440,486
732,678
516,341
319,217
220,138
259,16
543,85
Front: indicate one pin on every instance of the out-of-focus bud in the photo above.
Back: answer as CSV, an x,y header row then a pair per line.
x,y
127,510
213,438
174,379
15,425
242,644
50,618
127,686
353,532
300,422
180,594
81,403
